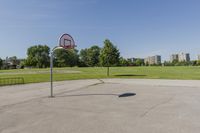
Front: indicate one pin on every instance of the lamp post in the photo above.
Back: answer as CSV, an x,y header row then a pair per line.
x,y
51,68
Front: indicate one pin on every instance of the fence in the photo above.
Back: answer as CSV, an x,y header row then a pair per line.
x,y
11,81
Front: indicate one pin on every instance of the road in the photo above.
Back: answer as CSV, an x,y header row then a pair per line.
x,y
94,106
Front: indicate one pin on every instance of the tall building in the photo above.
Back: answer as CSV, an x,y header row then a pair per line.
x,y
184,57
174,57
151,60
180,57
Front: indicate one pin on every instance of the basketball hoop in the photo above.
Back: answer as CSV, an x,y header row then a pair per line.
x,y
67,42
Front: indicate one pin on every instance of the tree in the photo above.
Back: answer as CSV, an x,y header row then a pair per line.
x,y
38,56
93,55
130,62
1,63
198,62
123,62
146,63
168,63
109,55
174,62
139,62
90,57
193,63
22,64
83,58
65,57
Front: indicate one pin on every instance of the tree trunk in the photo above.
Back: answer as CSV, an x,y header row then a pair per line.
x,y
108,71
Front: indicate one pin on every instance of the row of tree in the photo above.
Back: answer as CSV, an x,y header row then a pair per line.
x,y
1,63
38,56
183,63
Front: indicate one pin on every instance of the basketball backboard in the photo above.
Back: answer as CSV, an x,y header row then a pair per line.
x,y
66,41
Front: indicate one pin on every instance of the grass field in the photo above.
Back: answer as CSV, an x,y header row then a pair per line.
x,y
42,75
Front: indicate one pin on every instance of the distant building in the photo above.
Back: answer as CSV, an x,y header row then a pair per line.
x,y
198,57
174,57
180,57
184,57
153,60
11,62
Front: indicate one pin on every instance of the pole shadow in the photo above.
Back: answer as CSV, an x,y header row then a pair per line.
x,y
127,94
129,75
117,95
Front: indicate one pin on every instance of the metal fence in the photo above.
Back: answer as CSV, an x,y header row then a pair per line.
x,y
11,81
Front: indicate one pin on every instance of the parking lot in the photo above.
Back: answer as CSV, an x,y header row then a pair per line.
x,y
96,106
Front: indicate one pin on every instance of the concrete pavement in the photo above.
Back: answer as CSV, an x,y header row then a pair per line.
x,y
93,106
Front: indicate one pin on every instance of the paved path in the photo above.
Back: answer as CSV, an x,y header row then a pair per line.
x,y
93,106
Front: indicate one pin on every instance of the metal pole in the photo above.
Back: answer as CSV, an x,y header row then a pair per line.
x,y
51,71
51,68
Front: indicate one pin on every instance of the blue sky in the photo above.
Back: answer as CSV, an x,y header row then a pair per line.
x,y
139,28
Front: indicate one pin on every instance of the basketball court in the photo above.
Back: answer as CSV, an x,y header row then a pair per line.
x,y
102,106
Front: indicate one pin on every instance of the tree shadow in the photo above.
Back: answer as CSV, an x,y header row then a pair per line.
x,y
128,75
88,95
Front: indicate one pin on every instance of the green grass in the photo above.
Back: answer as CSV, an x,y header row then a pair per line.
x,y
42,75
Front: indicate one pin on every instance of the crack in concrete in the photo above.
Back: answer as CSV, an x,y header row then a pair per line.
x,y
156,106
78,89
39,98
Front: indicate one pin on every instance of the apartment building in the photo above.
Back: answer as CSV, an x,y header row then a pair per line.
x,y
184,57
151,60
174,57
180,57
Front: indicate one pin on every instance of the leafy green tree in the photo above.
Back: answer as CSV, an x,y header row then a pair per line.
x,y
22,64
198,62
109,55
147,63
168,63
130,62
123,62
83,56
1,63
38,56
65,57
90,56
139,62
193,63
175,62
93,55
182,63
